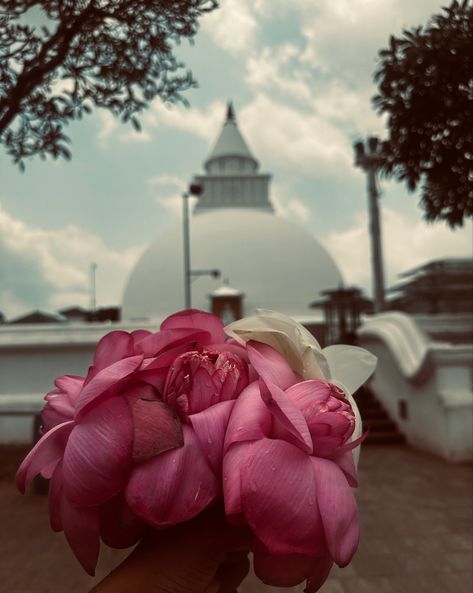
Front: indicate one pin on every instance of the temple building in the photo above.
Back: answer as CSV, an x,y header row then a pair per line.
x,y
263,261
245,257
276,264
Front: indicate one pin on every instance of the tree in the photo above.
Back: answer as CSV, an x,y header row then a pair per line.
x,y
425,85
113,54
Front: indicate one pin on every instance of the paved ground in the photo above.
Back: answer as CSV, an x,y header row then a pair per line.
x,y
417,532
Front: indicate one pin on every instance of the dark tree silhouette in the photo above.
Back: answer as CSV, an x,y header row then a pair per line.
x,y
425,85
113,54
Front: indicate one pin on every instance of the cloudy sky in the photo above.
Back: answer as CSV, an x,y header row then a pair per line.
x,y
300,75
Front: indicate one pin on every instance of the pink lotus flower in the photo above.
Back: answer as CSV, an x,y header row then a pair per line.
x,y
197,380
166,423
288,465
288,471
118,442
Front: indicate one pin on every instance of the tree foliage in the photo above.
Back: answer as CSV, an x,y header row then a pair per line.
x,y
113,54
425,85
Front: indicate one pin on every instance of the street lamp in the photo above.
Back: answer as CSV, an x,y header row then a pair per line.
x,y
214,272
194,190
369,159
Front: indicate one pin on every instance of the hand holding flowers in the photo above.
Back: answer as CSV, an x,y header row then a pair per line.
x,y
165,424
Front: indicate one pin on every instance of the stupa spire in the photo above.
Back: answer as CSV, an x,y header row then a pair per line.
x,y
231,178
230,144
230,113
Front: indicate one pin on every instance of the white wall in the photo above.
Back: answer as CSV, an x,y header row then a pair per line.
x,y
31,357
433,379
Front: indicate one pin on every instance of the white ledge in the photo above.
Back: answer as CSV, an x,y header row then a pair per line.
x,y
409,345
18,336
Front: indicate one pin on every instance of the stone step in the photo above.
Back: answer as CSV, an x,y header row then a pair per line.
x,y
381,429
364,403
379,425
374,414
384,438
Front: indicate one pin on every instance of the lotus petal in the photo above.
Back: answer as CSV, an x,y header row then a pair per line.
x,y
318,429
338,510
233,375
157,428
48,470
326,446
346,462
81,528
113,347
250,418
119,526
48,449
204,391
165,359
234,459
283,570
339,423
349,365
210,426
106,382
307,394
70,385
138,335
233,347
98,453
154,377
321,569
278,498
50,417
157,492
291,339
139,390
161,341
288,417
60,402
55,498
357,436
198,320
270,365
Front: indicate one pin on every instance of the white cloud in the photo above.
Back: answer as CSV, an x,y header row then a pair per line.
x,y
345,36
132,135
233,26
290,208
351,109
167,191
288,138
277,68
406,244
203,123
282,74
111,127
50,268
108,124
298,209
329,68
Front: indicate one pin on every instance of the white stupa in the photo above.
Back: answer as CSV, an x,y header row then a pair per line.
x,y
277,264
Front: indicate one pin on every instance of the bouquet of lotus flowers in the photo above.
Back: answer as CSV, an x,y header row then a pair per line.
x,y
166,424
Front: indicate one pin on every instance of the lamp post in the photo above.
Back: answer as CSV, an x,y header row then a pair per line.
x,y
369,159
194,190
342,308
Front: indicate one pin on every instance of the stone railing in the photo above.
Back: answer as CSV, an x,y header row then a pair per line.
x,y
426,386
